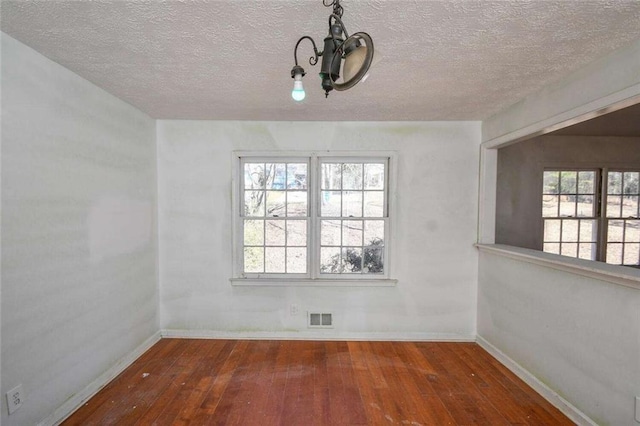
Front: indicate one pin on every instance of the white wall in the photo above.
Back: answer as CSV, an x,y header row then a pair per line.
x,y
79,285
611,80
579,336
435,261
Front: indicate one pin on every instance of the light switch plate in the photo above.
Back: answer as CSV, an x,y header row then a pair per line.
x,y
638,409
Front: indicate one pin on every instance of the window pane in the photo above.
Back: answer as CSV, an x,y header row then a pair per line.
x,y
297,176
254,177
330,262
568,182
615,231
352,232
274,260
631,254
253,232
569,249
330,231
331,204
614,185
552,248
296,233
254,203
275,233
373,261
331,176
374,176
585,206
569,231
551,182
276,203
587,251
551,230
632,231
296,260
588,230
585,182
631,183
567,205
374,204
374,232
276,175
352,259
614,253
254,259
352,204
297,203
351,176
630,206
549,206
614,205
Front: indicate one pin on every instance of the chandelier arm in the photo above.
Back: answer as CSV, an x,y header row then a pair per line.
x,y
339,21
313,59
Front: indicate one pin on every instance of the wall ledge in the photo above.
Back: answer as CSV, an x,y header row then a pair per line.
x,y
620,275
301,282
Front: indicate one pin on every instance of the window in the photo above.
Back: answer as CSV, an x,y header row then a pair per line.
x,y
582,220
622,218
312,217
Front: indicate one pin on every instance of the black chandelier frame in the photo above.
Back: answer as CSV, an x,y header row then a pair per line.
x,y
335,50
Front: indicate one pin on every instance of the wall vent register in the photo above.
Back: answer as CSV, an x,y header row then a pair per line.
x,y
320,320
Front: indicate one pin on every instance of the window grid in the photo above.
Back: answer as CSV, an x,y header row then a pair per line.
x,y
275,199
569,211
347,180
592,214
360,214
622,218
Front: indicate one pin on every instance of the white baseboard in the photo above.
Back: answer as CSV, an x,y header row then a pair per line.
x,y
318,335
547,393
72,404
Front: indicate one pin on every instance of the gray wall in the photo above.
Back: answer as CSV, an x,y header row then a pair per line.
x,y
79,288
520,168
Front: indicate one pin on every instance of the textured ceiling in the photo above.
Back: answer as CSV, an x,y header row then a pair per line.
x,y
225,60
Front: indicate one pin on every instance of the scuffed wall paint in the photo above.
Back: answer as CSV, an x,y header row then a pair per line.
x,y
434,258
78,232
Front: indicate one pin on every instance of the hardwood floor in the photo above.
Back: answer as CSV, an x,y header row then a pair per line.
x,y
237,382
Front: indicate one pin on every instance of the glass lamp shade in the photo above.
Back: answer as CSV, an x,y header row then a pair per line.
x,y
354,62
357,62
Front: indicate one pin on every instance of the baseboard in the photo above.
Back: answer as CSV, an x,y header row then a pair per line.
x,y
318,335
72,404
547,393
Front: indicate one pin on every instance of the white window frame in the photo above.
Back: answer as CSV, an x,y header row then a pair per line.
x,y
600,206
313,276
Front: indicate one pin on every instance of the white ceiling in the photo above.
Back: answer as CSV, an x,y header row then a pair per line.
x,y
226,60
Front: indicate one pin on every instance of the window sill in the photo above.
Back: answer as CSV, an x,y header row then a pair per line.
x,y
307,282
620,275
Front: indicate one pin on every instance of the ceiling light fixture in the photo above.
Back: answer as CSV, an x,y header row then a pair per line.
x,y
356,50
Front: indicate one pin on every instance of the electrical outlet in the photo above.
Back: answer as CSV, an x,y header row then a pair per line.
x,y
638,409
294,309
15,398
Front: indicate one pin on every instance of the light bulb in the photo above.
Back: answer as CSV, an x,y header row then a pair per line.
x,y
298,91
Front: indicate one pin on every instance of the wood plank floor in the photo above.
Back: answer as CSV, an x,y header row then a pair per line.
x,y
237,382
